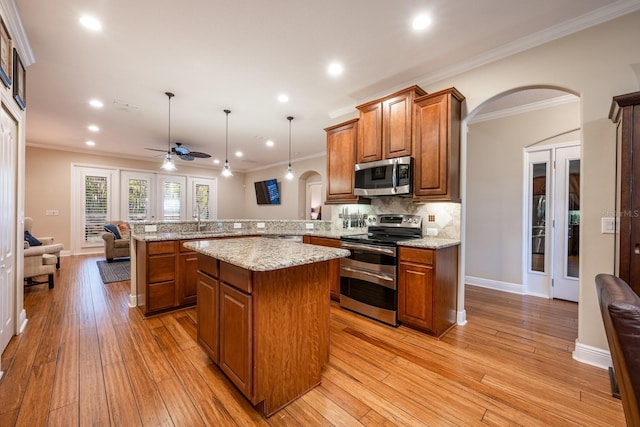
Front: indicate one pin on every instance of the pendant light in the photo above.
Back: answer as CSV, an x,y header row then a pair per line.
x,y
289,174
168,163
226,169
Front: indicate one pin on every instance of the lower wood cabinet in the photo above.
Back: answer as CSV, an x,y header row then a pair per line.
x,y
428,288
334,265
208,289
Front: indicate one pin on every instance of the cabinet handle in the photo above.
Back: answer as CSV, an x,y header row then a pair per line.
x,y
636,250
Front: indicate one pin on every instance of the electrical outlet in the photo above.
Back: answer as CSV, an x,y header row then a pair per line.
x,y
432,232
237,225
150,228
260,225
308,225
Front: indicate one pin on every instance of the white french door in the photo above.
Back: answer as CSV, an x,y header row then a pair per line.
x,y
137,196
8,185
552,200
172,197
202,198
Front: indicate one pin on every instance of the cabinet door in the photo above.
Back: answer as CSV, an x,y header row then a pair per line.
x,y
236,352
341,160
187,286
396,125
369,133
334,264
208,290
436,146
415,295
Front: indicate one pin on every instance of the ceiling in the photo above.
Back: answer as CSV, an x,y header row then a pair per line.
x,y
241,55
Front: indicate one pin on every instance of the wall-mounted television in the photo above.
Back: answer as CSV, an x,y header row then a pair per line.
x,y
267,192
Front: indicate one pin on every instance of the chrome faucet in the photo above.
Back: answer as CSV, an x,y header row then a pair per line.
x,y
200,224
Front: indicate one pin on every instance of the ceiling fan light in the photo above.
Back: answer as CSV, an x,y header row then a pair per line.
x,y
168,164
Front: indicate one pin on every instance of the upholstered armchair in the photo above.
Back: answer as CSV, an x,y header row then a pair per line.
x,y
116,245
47,245
38,263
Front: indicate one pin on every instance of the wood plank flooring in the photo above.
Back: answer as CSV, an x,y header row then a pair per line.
x,y
86,358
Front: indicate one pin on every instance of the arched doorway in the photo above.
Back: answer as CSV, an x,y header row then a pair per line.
x,y
495,137
310,198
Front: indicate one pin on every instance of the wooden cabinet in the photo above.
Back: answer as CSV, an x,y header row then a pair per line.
x,y
208,289
436,146
341,161
428,288
166,276
334,265
385,126
625,110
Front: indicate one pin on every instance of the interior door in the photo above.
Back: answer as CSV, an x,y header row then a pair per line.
x,y
566,253
8,171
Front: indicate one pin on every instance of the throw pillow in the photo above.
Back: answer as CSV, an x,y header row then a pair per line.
x,y
123,228
113,230
31,240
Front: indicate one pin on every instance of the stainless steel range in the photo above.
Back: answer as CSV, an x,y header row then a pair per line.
x,y
368,278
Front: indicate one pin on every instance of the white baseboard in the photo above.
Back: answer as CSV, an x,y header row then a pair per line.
x,y
22,321
462,317
65,253
133,301
592,355
514,288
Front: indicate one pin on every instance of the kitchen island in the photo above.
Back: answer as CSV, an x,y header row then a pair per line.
x,y
263,314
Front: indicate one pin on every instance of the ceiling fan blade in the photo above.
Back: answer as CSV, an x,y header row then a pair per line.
x,y
200,155
187,157
155,149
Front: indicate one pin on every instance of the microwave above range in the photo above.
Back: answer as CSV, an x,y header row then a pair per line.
x,y
389,177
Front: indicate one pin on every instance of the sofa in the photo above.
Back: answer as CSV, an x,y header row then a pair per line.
x,y
47,245
116,240
620,309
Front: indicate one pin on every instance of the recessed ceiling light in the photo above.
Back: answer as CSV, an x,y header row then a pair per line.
x,y
96,103
238,153
90,143
283,98
269,143
335,69
90,23
93,128
421,22
216,161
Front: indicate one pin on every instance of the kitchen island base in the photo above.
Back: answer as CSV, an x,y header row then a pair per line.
x,y
268,331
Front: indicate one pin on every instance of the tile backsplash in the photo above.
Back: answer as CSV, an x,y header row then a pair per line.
x,y
444,217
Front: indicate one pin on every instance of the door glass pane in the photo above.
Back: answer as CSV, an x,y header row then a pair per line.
x,y
573,219
95,207
171,193
202,200
538,216
138,202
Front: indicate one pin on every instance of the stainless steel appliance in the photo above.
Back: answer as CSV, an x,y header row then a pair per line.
x,y
389,177
368,278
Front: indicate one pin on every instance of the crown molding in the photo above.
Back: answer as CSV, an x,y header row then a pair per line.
x,y
526,108
18,34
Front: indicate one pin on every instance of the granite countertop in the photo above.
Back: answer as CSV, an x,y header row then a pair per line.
x,y
430,243
157,237
258,254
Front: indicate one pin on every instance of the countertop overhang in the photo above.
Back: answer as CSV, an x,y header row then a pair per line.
x,y
258,254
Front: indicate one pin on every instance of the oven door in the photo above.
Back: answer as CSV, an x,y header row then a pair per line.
x,y
368,282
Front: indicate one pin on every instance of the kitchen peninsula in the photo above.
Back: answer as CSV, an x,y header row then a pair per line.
x,y
263,314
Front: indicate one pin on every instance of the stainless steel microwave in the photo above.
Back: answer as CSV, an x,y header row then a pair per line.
x,y
389,177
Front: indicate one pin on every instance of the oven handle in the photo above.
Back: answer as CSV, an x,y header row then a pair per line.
x,y
368,273
388,251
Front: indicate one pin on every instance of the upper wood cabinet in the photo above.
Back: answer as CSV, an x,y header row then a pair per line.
x,y
341,161
385,126
436,146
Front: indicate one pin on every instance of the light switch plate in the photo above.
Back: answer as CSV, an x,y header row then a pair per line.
x,y
237,225
150,228
260,225
52,212
308,225
609,225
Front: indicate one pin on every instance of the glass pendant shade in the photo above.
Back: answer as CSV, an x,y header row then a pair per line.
x,y
289,175
226,169
168,164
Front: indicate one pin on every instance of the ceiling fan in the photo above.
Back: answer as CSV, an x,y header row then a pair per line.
x,y
183,153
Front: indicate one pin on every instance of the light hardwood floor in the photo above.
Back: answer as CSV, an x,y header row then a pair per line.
x,y
86,358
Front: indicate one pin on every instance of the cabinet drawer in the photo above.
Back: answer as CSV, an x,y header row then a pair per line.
x,y
208,265
421,256
324,241
161,268
161,295
161,248
235,276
